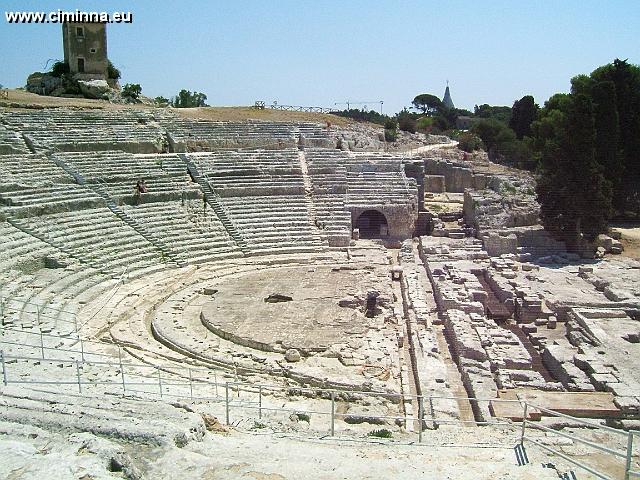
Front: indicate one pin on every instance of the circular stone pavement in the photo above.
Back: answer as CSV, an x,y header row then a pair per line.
x,y
311,321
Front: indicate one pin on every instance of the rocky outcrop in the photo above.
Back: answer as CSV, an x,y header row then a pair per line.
x,y
43,83
96,89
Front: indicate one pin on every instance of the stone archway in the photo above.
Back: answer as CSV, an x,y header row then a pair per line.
x,y
372,224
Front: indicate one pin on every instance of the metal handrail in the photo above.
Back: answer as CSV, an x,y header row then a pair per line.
x,y
578,439
568,459
136,379
4,299
133,379
578,420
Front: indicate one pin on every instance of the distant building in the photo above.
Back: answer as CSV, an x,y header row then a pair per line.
x,y
85,49
464,122
447,102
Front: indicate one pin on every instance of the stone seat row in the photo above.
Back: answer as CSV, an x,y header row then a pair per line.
x,y
11,142
287,154
45,195
99,238
42,287
16,246
328,180
95,134
73,116
239,180
30,169
214,132
194,234
333,219
158,189
249,162
271,221
110,164
134,144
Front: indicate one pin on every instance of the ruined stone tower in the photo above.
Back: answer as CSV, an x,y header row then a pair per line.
x,y
85,49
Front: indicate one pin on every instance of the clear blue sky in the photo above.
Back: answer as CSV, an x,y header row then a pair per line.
x,y
317,53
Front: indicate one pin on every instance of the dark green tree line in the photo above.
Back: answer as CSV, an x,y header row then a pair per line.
x,y
574,195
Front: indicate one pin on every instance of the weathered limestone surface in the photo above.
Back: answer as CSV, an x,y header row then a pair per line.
x,y
488,210
610,339
147,422
434,183
420,313
559,361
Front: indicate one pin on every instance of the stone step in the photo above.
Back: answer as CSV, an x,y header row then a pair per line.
x,y
126,419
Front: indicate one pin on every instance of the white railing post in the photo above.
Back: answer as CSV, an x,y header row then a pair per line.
x,y
124,387
333,413
628,463
524,423
226,402
260,401
420,417
41,341
159,381
78,374
82,350
4,368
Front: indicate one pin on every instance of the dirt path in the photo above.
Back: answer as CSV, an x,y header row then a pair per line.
x,y
630,240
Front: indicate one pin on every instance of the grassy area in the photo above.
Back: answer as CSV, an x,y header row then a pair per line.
x,y
23,99
246,113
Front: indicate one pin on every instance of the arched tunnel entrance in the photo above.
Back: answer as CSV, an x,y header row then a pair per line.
x,y
372,224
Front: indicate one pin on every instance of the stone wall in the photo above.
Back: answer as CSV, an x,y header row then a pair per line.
x,y
457,177
489,210
401,218
434,183
498,243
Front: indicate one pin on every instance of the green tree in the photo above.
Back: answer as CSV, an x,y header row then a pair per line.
x,y
502,145
523,113
162,101
390,130
131,91
626,79
363,115
608,153
499,113
407,121
469,142
615,92
188,99
112,72
428,104
59,68
488,131
425,124
574,196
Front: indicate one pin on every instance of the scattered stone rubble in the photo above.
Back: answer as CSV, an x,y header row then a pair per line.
x,y
421,320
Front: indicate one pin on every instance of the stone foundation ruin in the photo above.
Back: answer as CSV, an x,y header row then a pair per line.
x,y
240,264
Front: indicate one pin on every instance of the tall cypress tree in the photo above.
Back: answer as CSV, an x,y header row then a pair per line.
x,y
524,112
626,79
574,196
608,153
